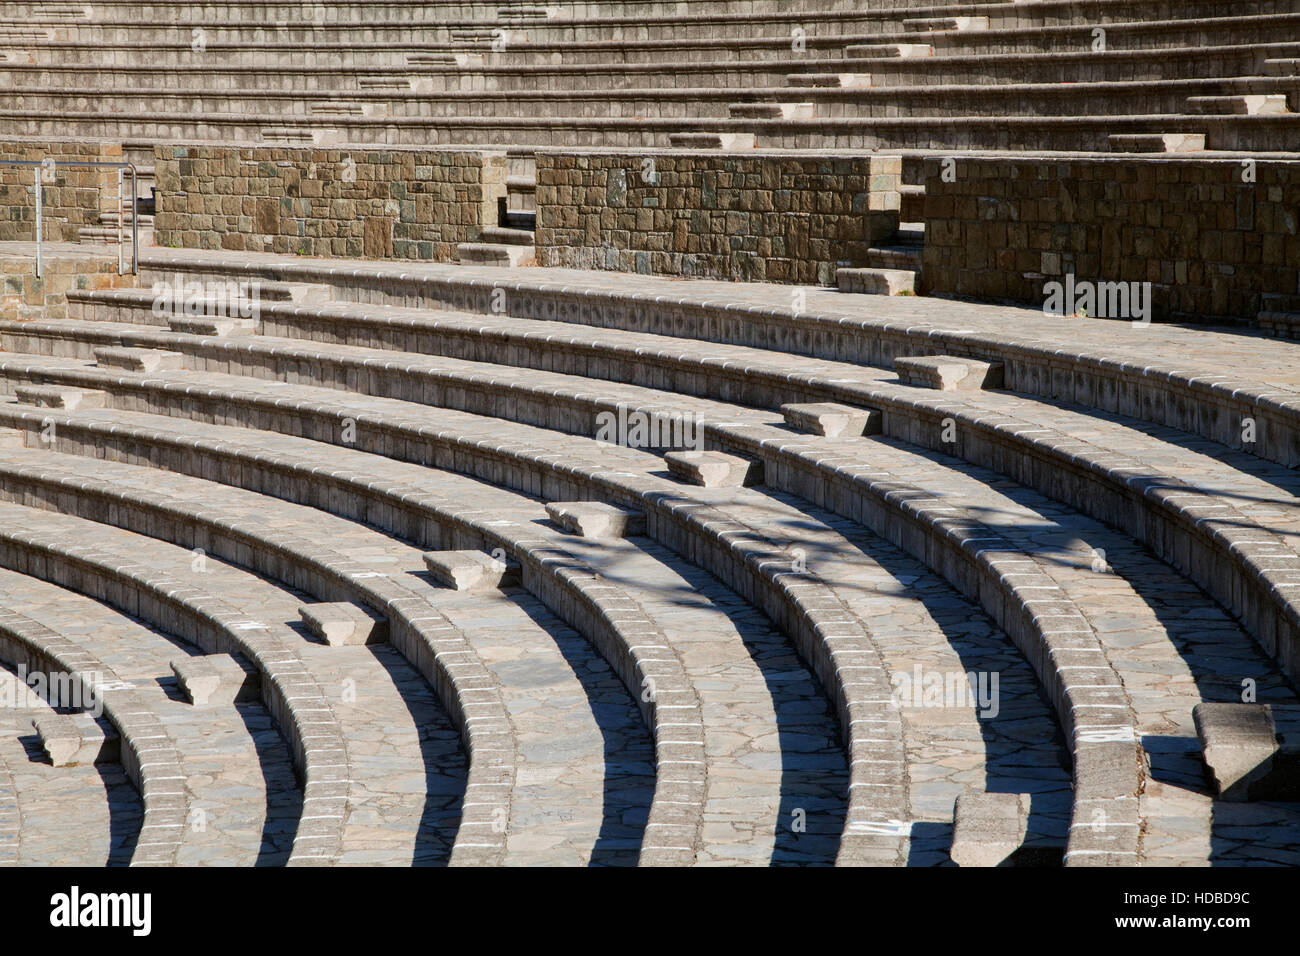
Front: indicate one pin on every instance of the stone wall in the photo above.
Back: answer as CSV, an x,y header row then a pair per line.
x,y
751,216
24,296
71,197
355,203
1210,235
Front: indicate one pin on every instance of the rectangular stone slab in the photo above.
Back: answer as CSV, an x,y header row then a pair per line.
x,y
833,420
596,519
139,360
988,827
948,372
211,326
60,737
714,469
1252,750
215,679
59,396
344,623
471,570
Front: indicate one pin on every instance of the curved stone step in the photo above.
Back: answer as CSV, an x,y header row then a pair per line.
x,y
217,788
93,568
1173,502
770,593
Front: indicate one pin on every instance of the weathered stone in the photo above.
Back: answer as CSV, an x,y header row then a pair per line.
x,y
471,570
948,373
596,519
343,623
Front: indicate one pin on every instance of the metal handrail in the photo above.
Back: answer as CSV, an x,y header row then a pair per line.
x,y
41,164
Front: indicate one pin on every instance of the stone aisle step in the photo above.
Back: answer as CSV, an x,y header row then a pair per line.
x,y
70,816
244,803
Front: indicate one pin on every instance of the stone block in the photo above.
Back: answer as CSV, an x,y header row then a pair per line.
x,y
948,373
988,828
714,469
341,624
471,570
833,420
1251,750
60,396
215,679
596,519
61,738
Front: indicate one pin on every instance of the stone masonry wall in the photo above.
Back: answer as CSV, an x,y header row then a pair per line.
x,y
71,197
1211,235
355,203
751,216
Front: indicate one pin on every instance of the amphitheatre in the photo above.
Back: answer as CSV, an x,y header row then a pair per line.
x,y
650,433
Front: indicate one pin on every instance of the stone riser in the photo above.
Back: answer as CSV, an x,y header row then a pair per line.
x,y
974,100
1268,133
1188,63
1063,40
